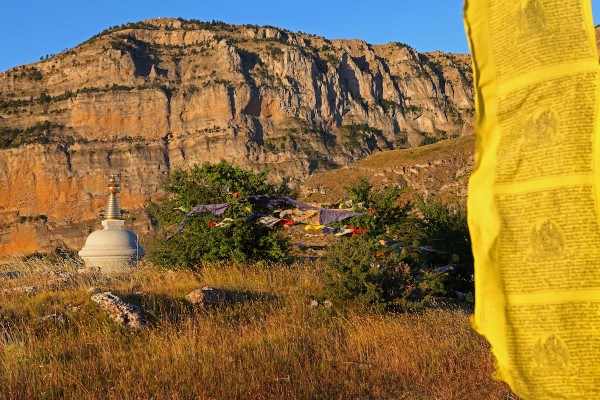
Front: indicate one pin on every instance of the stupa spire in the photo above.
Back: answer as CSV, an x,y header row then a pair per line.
x,y
112,208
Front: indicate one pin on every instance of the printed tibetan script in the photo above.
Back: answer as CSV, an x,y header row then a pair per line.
x,y
534,195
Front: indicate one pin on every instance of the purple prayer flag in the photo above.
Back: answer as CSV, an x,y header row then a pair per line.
x,y
264,201
214,209
301,206
329,215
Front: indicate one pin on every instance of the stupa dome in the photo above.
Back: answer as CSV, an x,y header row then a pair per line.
x,y
121,242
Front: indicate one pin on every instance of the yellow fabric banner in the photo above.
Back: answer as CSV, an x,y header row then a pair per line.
x,y
534,195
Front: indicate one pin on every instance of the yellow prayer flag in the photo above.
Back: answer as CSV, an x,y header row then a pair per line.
x,y
314,229
533,197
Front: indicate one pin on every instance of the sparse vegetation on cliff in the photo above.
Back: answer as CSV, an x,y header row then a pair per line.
x,y
33,74
14,137
355,134
388,105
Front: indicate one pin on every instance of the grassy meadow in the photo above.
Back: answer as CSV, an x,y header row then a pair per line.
x,y
266,343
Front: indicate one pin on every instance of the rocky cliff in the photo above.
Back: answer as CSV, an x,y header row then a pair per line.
x,y
144,98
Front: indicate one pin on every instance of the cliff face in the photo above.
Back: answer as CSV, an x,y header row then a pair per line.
x,y
148,97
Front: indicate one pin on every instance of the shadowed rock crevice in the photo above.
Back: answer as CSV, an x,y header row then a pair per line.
x,y
348,79
249,62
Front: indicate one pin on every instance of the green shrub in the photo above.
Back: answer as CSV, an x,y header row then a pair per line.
x,y
447,231
44,98
356,134
243,241
355,275
412,109
34,74
274,51
60,256
331,58
433,138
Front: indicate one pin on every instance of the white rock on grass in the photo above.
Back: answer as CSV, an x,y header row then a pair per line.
x,y
122,313
60,273
28,290
208,296
55,318
60,283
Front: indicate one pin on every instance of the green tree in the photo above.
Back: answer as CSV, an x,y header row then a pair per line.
x,y
411,252
242,240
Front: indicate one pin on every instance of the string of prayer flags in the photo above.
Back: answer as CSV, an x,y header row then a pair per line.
x,y
327,216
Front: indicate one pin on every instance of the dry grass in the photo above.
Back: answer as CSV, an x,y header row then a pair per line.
x,y
462,145
268,344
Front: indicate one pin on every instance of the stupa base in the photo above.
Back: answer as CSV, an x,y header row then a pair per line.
x,y
108,265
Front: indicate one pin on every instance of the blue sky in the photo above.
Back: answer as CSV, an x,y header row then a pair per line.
x,y
32,28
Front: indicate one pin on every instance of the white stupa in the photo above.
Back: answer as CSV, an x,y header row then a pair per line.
x,y
112,250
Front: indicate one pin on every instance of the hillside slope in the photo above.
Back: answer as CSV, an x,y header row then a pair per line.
x,y
441,169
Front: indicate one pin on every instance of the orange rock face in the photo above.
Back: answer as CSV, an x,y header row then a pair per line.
x,y
135,113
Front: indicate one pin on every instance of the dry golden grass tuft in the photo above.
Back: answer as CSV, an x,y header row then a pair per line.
x,y
267,344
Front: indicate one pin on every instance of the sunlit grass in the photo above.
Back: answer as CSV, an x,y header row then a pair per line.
x,y
267,343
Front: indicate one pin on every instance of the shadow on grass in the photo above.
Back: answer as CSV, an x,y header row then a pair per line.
x,y
159,308
238,297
